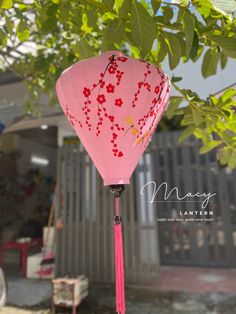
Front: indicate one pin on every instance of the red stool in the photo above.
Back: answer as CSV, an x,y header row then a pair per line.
x,y
24,250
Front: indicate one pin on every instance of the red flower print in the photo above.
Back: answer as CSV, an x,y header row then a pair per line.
x,y
86,92
111,118
157,88
122,59
120,154
101,99
148,86
118,102
140,84
152,113
110,88
111,69
102,83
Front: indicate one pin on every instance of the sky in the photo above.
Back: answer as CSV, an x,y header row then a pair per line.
x,y
192,77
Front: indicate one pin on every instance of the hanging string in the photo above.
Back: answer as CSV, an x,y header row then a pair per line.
x,y
119,261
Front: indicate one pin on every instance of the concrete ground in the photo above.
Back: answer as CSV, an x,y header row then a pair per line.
x,y
196,280
179,290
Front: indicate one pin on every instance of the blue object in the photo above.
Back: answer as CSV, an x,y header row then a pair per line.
x,y
2,127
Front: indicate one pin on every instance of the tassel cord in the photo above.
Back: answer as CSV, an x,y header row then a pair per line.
x,y
119,260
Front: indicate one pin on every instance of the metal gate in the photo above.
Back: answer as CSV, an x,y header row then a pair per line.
x,y
85,244
199,243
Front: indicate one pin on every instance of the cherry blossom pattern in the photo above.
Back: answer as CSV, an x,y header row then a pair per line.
x,y
104,87
72,118
114,69
110,88
101,99
157,89
86,92
153,111
118,102
100,121
115,150
87,111
102,110
122,59
142,84
150,114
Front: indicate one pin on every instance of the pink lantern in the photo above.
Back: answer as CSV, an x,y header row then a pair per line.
x,y
114,103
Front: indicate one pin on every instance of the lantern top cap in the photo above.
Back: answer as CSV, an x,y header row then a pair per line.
x,y
114,52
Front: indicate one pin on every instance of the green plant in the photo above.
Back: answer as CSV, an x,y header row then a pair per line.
x,y
59,32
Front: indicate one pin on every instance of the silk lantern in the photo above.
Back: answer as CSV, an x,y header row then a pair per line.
x,y
114,104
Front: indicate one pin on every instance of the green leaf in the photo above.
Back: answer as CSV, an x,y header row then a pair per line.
x,y
6,4
9,24
225,154
186,133
187,120
49,25
96,4
199,53
214,100
228,94
167,14
156,4
197,118
3,38
202,134
115,31
189,25
41,64
118,4
143,28
209,146
228,44
195,47
223,60
52,10
92,18
210,62
175,51
204,7
85,27
84,49
109,4
161,48
38,4
176,79
231,126
22,31
125,9
174,103
232,160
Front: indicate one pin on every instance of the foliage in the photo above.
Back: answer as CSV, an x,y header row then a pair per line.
x,y
39,39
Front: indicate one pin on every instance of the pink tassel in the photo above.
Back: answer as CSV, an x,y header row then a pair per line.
x,y
119,262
